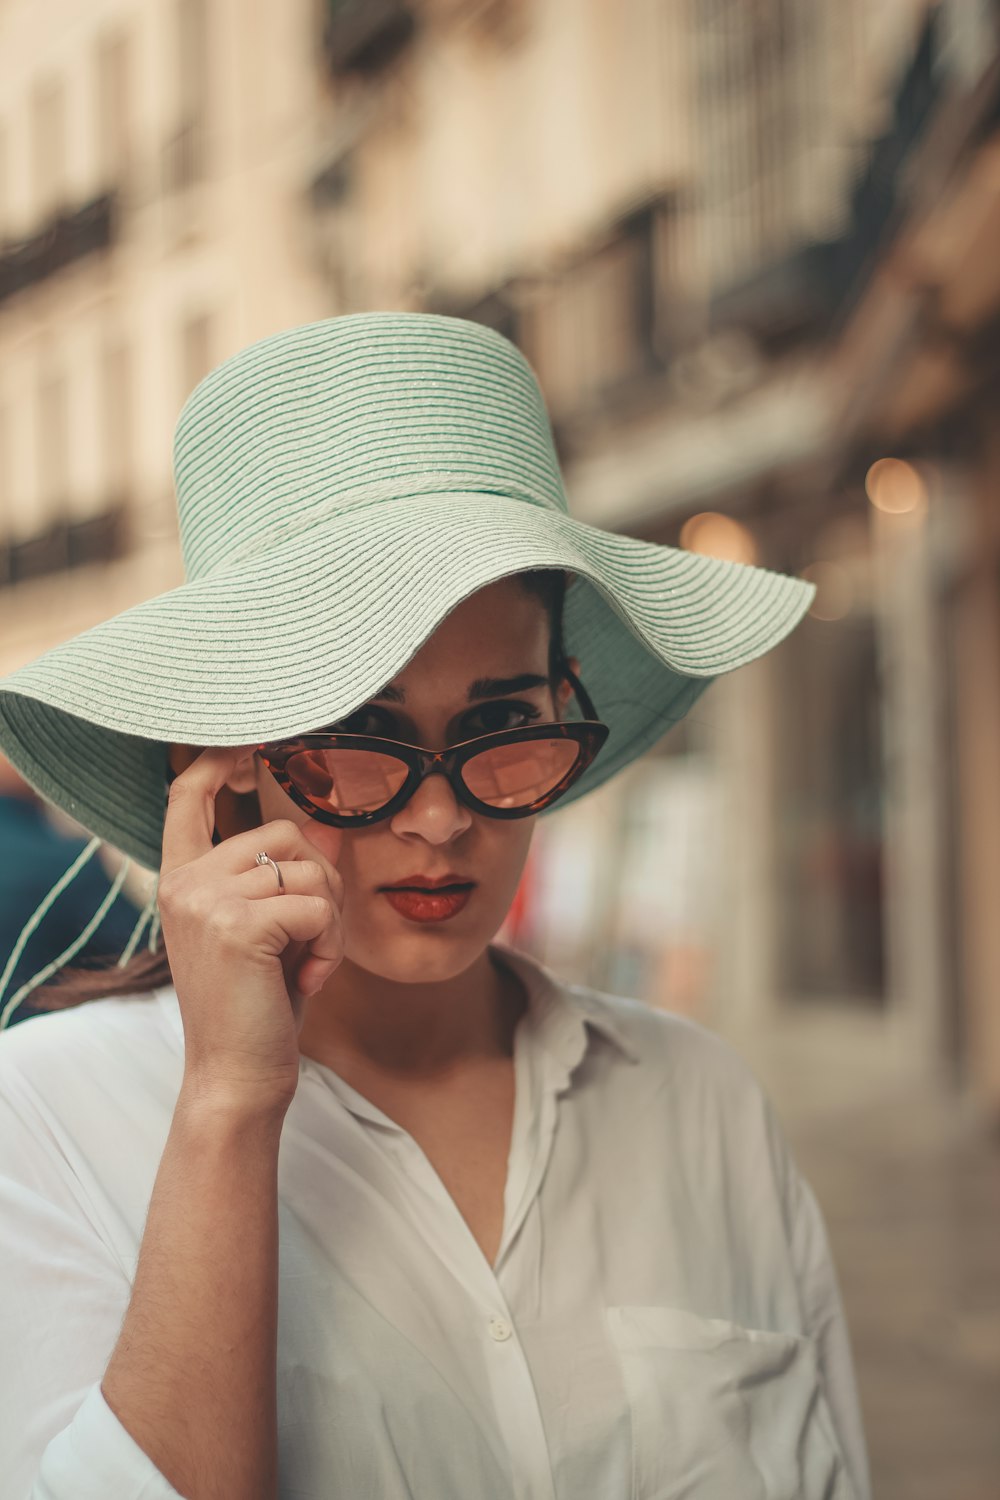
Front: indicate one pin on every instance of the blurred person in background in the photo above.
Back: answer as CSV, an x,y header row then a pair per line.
x,y
35,853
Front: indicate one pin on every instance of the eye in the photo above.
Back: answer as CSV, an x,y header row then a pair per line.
x,y
500,711
487,719
366,720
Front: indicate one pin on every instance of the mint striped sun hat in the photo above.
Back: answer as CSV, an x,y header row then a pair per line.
x,y
341,487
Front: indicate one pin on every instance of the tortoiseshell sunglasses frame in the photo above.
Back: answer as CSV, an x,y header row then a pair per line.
x,y
590,734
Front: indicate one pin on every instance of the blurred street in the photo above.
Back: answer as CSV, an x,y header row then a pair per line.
x,y
910,1189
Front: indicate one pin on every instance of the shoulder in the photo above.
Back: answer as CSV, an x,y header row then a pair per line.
x,y
110,1048
691,1088
93,1025
680,1070
86,1100
664,1041
660,1044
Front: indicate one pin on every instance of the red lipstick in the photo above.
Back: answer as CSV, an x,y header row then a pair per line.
x,y
428,905
425,898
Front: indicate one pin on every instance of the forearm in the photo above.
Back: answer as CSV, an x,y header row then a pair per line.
x,y
193,1375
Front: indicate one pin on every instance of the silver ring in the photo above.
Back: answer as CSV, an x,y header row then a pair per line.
x,y
265,859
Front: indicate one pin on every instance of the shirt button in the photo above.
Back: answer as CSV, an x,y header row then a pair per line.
x,y
500,1329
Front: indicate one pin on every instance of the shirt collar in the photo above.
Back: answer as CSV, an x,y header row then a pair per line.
x,y
559,1013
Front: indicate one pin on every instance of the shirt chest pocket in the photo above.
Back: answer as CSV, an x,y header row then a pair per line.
x,y
720,1411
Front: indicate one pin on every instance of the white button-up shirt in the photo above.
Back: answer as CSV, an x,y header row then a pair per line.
x,y
663,1319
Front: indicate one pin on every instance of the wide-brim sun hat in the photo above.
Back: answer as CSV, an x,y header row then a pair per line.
x,y
341,487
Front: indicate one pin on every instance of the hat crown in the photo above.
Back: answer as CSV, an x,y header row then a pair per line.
x,y
354,410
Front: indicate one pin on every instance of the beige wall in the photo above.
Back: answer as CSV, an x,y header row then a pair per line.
x,y
977,739
476,157
487,156
194,273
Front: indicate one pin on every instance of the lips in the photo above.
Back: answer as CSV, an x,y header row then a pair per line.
x,y
438,904
426,890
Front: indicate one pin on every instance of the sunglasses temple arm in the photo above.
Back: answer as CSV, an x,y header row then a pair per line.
x,y
583,697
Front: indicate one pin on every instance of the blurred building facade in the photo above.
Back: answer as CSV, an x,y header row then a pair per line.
x,y
749,249
746,245
152,221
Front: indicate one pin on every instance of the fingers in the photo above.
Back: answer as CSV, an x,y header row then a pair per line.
x,y
190,814
283,840
305,903
297,921
324,950
300,877
238,941
190,819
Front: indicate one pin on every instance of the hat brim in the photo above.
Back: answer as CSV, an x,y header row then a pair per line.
x,y
302,634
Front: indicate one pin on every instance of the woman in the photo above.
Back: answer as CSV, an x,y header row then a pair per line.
x,y
335,1195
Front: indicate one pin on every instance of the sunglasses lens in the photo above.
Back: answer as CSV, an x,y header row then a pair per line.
x,y
347,782
519,774
353,783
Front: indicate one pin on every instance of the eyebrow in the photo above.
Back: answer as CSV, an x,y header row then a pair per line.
x,y
483,687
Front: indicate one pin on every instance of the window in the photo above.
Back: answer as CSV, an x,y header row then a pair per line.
x,y
764,105
6,499
116,415
53,456
184,150
192,57
114,108
830,814
48,147
192,86
196,352
601,328
5,230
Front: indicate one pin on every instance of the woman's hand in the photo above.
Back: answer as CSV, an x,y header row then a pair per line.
x,y
244,956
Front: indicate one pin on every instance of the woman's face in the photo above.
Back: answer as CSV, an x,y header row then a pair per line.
x,y
499,632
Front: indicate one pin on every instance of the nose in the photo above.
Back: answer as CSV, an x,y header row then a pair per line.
x,y
433,812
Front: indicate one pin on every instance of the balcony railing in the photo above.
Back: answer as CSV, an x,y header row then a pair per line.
x,y
65,544
599,329
363,36
69,237
807,291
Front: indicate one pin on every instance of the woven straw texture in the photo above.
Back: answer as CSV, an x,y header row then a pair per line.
x,y
340,488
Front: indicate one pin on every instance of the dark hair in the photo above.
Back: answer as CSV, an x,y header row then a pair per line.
x,y
149,970
549,585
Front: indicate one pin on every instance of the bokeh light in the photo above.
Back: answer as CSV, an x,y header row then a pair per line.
x,y
834,590
896,487
717,535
